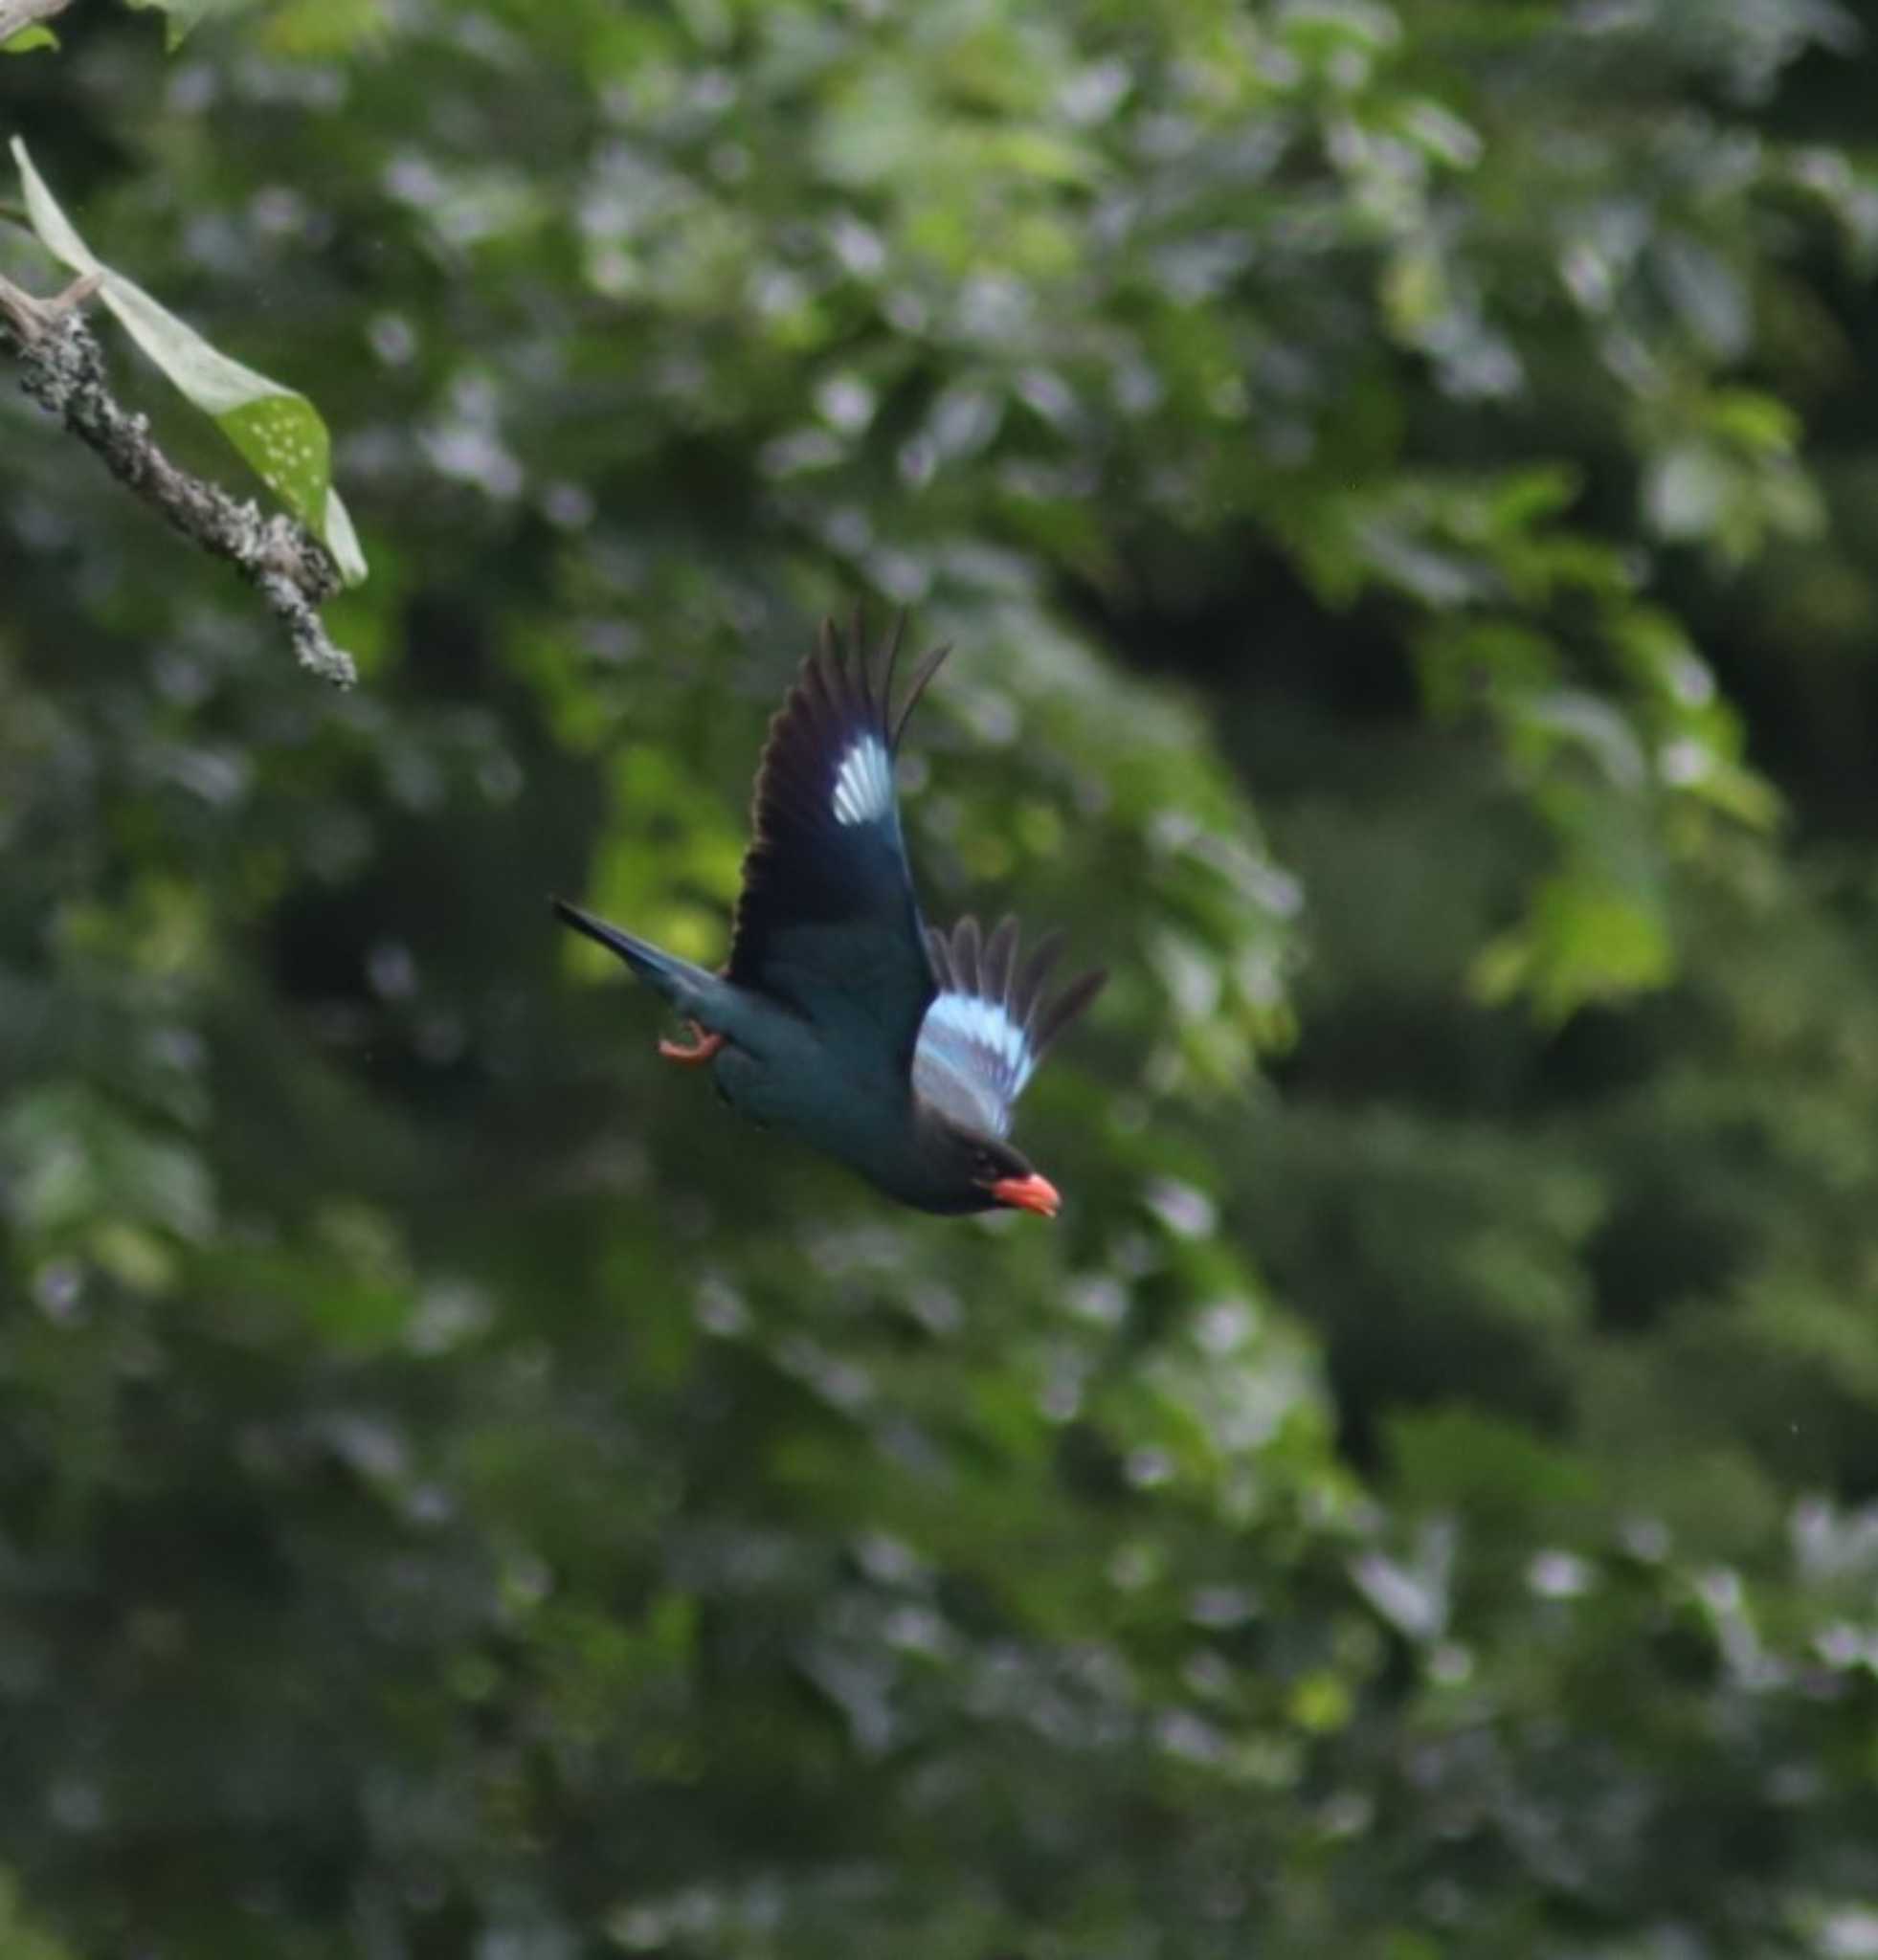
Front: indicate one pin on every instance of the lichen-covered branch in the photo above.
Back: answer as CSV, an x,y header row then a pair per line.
x,y
62,368
17,14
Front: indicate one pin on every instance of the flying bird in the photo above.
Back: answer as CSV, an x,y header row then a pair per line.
x,y
841,1017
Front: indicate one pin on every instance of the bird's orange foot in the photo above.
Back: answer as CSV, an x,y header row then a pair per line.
x,y
703,1047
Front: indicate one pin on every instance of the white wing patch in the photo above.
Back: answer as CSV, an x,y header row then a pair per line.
x,y
863,783
986,1026
972,1059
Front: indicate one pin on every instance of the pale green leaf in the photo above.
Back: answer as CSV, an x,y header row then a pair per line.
x,y
287,444
1685,491
27,40
20,1937
278,430
182,17
309,30
339,536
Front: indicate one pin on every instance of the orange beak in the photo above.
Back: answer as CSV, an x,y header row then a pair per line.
x,y
1032,1193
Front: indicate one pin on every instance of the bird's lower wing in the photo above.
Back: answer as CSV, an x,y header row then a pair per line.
x,y
989,1021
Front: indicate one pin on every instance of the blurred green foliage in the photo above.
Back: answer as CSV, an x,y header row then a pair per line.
x,y
1398,477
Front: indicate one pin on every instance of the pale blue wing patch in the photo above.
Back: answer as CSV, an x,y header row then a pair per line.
x,y
863,783
991,1021
972,1060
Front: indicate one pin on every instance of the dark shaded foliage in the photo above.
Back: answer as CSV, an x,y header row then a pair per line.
x,y
462,1494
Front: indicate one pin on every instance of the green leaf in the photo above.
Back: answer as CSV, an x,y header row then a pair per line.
x,y
278,430
182,17
1584,938
307,30
1685,492
20,1937
27,40
287,444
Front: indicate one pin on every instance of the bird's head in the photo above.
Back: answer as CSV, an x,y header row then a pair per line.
x,y
993,1174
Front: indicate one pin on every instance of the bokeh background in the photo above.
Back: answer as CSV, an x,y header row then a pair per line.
x,y
1403,481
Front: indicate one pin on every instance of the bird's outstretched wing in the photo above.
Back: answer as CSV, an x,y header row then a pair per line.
x,y
991,1021
827,921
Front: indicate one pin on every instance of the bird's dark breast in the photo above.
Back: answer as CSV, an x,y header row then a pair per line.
x,y
804,1093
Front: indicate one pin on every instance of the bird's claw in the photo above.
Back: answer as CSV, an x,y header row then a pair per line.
x,y
703,1047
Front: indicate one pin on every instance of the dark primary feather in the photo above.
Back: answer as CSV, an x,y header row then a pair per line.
x,y
991,1021
828,921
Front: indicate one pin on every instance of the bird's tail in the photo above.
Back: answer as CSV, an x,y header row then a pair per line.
x,y
675,980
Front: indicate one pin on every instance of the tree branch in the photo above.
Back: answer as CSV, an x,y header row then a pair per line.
x,y
16,14
63,369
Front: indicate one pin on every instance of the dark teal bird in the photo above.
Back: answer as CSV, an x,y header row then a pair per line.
x,y
842,1018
